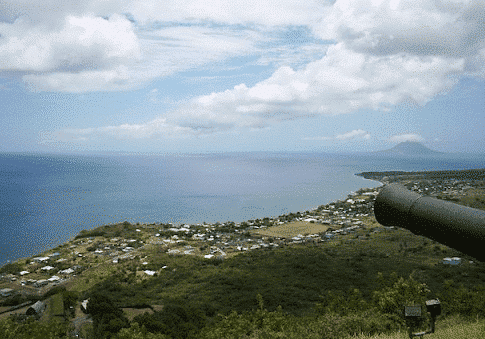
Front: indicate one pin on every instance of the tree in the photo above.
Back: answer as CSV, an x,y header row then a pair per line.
x,y
174,320
107,318
137,332
396,292
32,329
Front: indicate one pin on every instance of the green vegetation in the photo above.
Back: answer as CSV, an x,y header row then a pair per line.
x,y
11,268
11,328
89,234
357,284
352,286
107,318
55,308
350,283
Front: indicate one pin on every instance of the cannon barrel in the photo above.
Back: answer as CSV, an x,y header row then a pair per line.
x,y
459,227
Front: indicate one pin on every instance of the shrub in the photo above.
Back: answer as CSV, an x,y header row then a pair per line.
x,y
176,321
89,234
11,268
396,292
107,318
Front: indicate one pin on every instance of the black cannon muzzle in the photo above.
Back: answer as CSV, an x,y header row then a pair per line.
x,y
459,227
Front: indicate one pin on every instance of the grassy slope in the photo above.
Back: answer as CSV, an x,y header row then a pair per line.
x,y
452,328
293,277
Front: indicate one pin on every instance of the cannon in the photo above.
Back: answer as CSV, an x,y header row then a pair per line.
x,y
456,226
459,227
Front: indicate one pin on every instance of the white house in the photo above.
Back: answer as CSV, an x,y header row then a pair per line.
x,y
47,268
452,261
54,278
5,292
40,259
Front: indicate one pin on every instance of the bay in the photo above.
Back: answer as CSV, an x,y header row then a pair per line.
x,y
46,199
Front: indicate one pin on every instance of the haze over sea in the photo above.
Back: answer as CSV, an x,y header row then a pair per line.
x,y
47,199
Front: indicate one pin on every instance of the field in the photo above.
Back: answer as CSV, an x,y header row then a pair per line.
x,y
55,308
291,229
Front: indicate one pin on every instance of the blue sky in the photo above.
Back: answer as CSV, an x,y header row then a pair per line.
x,y
211,76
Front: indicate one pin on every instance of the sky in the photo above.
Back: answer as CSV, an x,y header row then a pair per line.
x,y
185,76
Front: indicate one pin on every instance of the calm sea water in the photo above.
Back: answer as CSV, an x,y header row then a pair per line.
x,y
47,199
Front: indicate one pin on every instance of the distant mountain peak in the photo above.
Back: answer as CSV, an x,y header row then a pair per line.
x,y
411,148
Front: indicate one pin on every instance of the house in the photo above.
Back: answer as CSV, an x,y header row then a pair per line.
x,y
452,261
84,305
5,292
40,259
47,268
40,283
36,309
54,278
66,271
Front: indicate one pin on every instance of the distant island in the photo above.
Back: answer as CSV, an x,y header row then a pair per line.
x,y
410,148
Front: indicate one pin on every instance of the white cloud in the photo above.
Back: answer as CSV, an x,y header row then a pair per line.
x,y
384,52
282,12
452,28
95,54
358,134
156,128
342,82
115,79
355,134
85,42
406,137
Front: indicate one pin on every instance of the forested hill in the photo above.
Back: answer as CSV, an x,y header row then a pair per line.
x,y
471,174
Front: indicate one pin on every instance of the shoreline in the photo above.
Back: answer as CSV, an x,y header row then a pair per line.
x,y
380,178
146,254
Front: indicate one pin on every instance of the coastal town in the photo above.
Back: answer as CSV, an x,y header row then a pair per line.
x,y
108,246
207,240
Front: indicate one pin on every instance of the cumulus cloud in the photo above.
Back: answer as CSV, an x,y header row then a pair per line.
x,y
425,27
86,46
378,53
85,42
188,49
406,137
342,82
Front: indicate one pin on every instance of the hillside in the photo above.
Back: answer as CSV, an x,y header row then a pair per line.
x,y
255,279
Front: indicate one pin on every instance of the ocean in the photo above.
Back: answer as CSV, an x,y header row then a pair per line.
x,y
46,200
